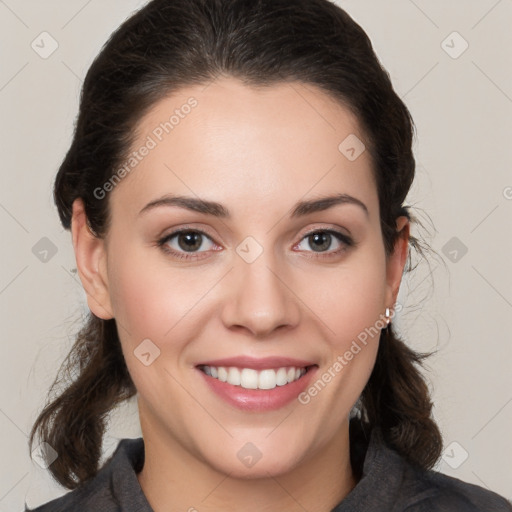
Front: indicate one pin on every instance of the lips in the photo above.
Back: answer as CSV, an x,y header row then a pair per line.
x,y
264,363
257,384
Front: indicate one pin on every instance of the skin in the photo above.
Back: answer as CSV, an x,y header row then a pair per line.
x,y
258,152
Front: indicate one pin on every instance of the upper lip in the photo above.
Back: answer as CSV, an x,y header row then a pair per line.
x,y
258,363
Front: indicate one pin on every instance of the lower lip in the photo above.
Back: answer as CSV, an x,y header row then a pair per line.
x,y
259,399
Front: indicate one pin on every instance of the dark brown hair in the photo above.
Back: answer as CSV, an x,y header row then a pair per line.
x,y
170,44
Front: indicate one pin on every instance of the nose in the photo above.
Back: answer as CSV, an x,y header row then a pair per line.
x,y
259,298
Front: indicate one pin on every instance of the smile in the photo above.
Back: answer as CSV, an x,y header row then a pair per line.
x,y
249,378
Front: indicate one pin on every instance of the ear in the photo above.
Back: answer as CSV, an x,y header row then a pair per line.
x,y
91,261
396,260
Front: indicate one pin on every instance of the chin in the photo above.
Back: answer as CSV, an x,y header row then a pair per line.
x,y
261,469
246,461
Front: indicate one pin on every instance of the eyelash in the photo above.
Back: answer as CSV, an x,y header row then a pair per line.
x,y
193,256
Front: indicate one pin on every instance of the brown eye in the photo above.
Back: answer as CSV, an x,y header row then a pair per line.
x,y
190,241
186,241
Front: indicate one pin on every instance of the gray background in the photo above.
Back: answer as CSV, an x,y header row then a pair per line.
x,y
461,102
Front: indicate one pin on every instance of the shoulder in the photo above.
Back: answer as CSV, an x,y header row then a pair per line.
x,y
114,484
92,496
390,482
432,491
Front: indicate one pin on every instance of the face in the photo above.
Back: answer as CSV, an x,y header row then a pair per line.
x,y
220,247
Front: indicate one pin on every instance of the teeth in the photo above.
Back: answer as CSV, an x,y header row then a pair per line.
x,y
234,376
222,374
249,378
281,377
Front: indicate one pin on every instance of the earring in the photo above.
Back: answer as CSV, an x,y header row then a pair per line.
x,y
388,316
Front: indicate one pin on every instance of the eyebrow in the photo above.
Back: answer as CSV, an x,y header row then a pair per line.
x,y
215,209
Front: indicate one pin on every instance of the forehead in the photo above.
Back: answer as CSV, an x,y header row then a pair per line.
x,y
231,142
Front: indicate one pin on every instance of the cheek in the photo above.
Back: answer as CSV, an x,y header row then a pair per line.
x,y
351,310
350,300
152,302
149,297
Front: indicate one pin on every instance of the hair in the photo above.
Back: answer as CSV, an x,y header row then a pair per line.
x,y
171,44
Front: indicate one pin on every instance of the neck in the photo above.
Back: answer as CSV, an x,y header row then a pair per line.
x,y
174,480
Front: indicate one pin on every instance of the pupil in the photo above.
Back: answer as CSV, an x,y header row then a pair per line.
x,y
321,240
189,241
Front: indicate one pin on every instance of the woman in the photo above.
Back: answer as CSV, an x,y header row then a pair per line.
x,y
235,191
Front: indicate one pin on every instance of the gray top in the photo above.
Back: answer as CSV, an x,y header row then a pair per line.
x,y
387,483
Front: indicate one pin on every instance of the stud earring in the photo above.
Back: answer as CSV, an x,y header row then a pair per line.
x,y
388,316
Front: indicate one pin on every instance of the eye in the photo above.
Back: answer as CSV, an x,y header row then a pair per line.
x,y
326,241
190,243
184,241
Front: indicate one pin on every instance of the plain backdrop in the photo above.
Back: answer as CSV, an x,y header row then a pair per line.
x,y
451,64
